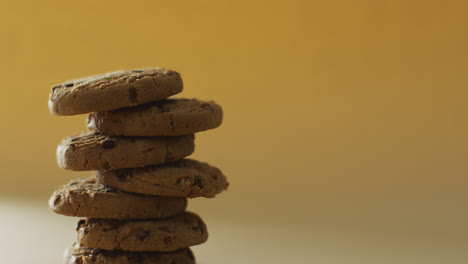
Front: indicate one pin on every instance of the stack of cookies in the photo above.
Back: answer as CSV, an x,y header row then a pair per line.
x,y
133,209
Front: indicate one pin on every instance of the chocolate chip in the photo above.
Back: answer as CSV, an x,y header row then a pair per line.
x,y
72,146
132,95
69,84
57,200
56,87
143,234
113,224
80,223
139,77
155,74
200,225
108,144
172,122
124,175
137,71
198,183
172,73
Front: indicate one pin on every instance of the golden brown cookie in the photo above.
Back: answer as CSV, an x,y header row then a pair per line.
x,y
169,117
87,198
169,234
82,255
113,90
183,178
94,151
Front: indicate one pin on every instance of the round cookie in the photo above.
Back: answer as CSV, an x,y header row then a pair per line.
x,y
83,255
183,178
87,198
171,117
170,234
94,151
113,90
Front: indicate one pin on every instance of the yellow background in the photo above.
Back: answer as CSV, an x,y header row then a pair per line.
x,y
348,116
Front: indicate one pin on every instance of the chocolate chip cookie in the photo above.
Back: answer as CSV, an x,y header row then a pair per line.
x,y
183,178
94,151
88,198
82,255
169,234
113,90
169,117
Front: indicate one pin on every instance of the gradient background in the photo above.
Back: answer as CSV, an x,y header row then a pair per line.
x,y
345,130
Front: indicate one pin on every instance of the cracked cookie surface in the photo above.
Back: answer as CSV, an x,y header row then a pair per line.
x,y
82,255
169,234
183,178
94,151
88,198
113,90
169,117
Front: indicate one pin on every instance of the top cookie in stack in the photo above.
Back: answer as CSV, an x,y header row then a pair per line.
x,y
113,90
137,144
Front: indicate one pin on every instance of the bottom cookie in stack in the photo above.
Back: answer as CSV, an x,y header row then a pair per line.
x,y
82,255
